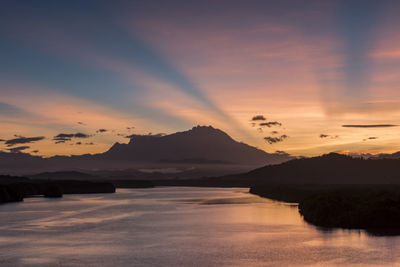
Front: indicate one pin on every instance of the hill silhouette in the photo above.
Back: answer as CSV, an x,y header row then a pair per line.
x,y
331,168
395,155
335,190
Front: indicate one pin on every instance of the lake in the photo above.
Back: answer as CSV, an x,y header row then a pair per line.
x,y
178,226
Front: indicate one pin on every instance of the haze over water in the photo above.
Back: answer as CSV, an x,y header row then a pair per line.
x,y
178,227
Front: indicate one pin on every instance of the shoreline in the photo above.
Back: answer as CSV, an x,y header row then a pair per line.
x,y
373,208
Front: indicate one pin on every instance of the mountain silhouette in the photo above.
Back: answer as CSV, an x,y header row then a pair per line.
x,y
200,146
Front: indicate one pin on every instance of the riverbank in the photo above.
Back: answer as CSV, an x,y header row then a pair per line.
x,y
375,208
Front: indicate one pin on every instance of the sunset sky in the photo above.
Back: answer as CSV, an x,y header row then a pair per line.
x,y
108,69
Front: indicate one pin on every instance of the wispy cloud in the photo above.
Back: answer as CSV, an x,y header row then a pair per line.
x,y
62,137
270,124
17,149
272,140
322,136
369,125
258,118
23,140
371,138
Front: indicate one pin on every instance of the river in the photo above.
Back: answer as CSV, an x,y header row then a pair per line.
x,y
178,226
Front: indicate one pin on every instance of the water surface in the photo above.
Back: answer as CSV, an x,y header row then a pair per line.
x,y
178,226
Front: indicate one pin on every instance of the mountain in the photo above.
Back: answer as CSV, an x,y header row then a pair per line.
x,y
201,144
331,168
207,150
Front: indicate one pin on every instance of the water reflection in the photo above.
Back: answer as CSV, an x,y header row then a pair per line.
x,y
178,227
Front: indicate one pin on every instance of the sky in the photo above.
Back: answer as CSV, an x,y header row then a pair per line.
x,y
304,77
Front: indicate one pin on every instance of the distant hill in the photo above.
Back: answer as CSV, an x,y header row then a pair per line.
x,y
210,151
327,169
64,175
395,155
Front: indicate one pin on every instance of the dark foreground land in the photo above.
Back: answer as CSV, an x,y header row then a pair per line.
x,y
375,208
17,188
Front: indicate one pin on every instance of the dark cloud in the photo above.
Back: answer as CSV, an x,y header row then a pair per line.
x,y
369,125
67,137
23,140
273,140
17,149
62,138
258,118
270,124
101,130
328,135
78,143
371,138
2,140
91,143
274,132
81,123
35,151
81,135
61,135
